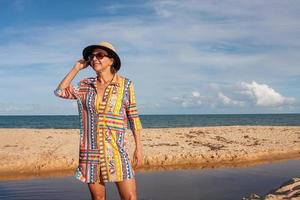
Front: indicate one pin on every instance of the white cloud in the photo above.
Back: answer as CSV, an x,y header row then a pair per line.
x,y
228,101
238,96
191,100
195,94
264,95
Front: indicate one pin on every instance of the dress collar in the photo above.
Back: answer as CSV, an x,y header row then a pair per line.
x,y
93,80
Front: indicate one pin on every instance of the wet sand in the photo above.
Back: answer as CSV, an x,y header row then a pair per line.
x,y
25,152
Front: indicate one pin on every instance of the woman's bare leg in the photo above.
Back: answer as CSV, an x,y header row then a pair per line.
x,y
127,189
97,191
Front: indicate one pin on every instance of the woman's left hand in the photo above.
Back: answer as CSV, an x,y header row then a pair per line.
x,y
138,158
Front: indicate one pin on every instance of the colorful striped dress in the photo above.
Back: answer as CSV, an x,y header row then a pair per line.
x,y
102,152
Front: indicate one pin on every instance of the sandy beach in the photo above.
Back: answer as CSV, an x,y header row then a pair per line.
x,y
38,151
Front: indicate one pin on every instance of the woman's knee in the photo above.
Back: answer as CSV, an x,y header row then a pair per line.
x,y
129,196
97,191
127,189
98,197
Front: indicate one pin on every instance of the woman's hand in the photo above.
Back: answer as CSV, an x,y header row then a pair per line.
x,y
81,64
138,158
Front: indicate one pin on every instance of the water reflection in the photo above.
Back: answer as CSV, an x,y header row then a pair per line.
x,y
193,184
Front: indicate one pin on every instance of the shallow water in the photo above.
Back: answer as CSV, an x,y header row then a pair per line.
x,y
212,184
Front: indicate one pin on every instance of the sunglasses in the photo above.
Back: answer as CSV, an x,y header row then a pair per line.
x,y
98,55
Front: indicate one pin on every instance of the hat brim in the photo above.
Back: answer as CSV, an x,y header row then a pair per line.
x,y
89,50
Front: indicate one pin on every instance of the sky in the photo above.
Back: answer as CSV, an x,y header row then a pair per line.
x,y
184,57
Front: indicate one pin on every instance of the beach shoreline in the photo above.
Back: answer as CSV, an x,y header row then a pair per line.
x,y
41,152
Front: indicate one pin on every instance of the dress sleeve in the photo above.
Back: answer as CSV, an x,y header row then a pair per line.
x,y
70,92
131,110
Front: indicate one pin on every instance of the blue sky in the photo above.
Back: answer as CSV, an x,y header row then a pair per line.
x,y
184,57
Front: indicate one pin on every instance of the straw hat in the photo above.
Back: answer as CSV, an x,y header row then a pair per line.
x,y
108,47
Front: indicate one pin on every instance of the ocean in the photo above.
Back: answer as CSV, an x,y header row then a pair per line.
x,y
156,121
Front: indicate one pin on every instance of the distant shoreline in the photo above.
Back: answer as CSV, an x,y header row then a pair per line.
x,y
41,152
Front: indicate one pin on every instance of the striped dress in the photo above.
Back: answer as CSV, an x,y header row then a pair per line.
x,y
102,153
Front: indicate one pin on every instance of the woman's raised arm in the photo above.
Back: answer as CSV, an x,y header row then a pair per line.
x,y
65,89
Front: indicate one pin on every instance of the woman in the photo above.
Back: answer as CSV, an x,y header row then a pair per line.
x,y
105,102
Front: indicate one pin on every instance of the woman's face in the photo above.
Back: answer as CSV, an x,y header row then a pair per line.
x,y
102,64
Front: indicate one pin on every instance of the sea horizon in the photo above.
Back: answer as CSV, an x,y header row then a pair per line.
x,y
157,120
291,113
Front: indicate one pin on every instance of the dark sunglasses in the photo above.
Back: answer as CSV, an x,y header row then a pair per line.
x,y
98,55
